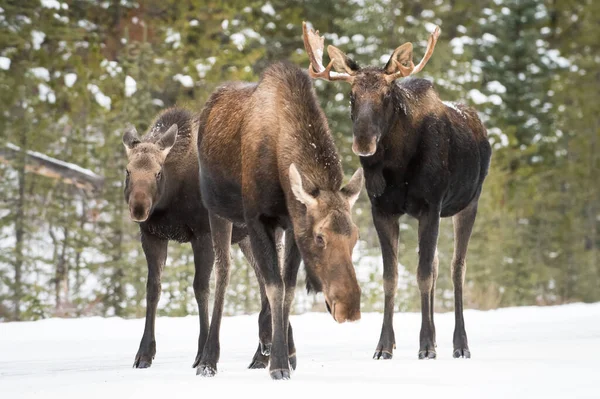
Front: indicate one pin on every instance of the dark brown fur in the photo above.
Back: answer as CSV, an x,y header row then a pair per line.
x,y
422,158
163,194
275,124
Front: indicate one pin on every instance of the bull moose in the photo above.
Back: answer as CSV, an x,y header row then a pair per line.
x,y
163,195
268,162
421,157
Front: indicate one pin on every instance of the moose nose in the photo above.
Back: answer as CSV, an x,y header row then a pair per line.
x,y
365,147
342,312
139,208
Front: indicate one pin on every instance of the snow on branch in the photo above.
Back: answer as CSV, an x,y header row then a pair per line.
x,y
44,165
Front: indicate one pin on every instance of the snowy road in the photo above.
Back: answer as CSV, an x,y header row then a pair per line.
x,y
529,352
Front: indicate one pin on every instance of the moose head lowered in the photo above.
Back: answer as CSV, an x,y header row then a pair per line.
x,y
287,176
421,157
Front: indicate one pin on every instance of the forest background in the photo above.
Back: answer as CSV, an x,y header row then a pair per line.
x,y
73,74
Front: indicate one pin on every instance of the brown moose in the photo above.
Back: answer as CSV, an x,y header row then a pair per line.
x,y
268,162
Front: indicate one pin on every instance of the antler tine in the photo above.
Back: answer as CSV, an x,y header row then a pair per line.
x,y
430,46
314,46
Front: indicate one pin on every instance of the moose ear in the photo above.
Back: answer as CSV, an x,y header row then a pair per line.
x,y
296,186
401,60
167,141
341,62
352,190
130,139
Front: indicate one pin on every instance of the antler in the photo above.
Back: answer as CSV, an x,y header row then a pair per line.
x,y
412,69
314,45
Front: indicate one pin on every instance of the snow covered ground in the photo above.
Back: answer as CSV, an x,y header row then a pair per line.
x,y
528,352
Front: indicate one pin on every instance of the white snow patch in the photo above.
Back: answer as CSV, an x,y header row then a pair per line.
x,y
225,24
50,4
454,106
158,102
555,57
46,93
185,80
239,39
459,42
194,22
536,349
267,8
103,100
56,161
70,79
130,86
37,38
477,96
40,73
112,67
5,63
427,14
203,69
173,37
489,38
496,87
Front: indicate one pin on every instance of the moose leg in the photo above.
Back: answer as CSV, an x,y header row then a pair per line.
x,y
436,263
155,250
265,252
291,263
463,225
388,231
221,238
429,224
260,360
203,261
261,357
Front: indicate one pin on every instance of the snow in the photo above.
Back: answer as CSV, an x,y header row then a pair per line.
x,y
267,8
5,63
173,37
130,86
102,99
185,80
496,87
454,106
71,166
40,73
459,42
523,352
239,38
70,79
46,94
37,38
50,4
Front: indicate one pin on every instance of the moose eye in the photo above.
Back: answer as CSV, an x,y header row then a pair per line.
x,y
158,175
320,240
127,173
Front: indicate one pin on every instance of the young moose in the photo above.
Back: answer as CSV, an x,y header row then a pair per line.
x,y
287,177
421,157
163,194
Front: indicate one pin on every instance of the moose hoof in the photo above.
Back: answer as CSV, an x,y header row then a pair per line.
x,y
427,354
265,349
206,370
280,374
381,354
258,364
197,361
464,353
293,361
142,362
